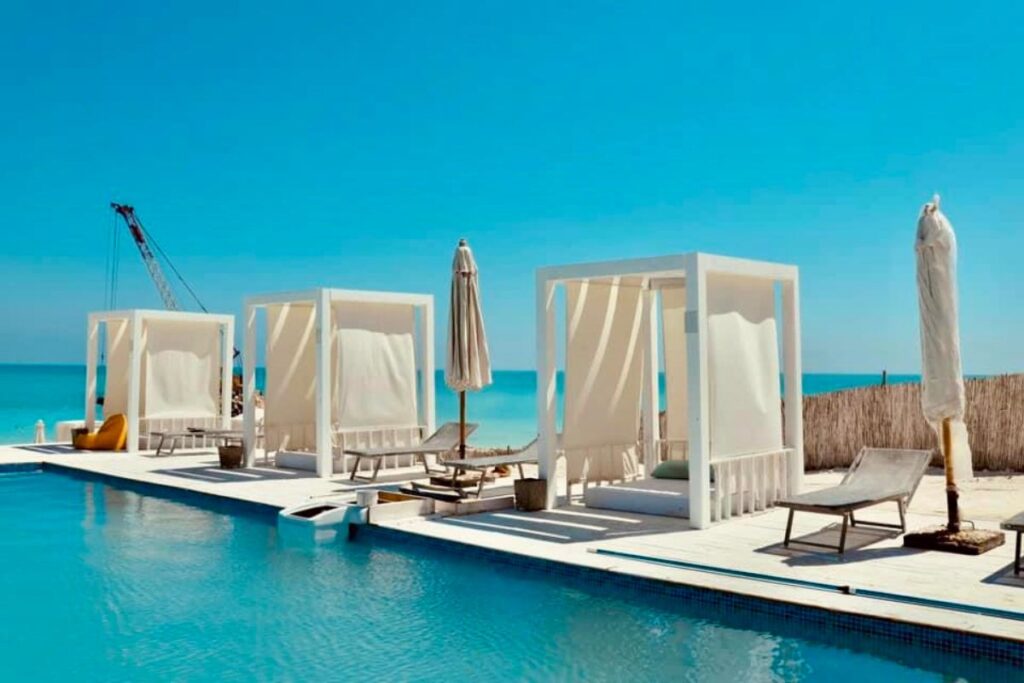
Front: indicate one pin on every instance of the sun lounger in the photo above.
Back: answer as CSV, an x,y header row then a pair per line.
x,y
527,455
877,475
171,438
1016,523
225,436
442,441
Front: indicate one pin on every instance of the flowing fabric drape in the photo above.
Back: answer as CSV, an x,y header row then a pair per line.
x,y
603,367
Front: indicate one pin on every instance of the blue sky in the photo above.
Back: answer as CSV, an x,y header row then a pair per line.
x,y
273,147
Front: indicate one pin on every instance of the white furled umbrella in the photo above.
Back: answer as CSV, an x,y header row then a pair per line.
x,y
468,365
942,383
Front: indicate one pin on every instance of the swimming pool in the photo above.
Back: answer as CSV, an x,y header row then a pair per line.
x,y
102,582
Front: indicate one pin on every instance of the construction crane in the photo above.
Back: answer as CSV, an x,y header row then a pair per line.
x,y
163,287
143,240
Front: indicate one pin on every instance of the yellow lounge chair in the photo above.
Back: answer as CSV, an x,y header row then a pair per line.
x,y
112,436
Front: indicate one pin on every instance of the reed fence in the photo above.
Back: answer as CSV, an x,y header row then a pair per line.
x,y
838,424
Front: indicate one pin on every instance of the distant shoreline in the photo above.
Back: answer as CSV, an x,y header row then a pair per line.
x,y
506,410
8,364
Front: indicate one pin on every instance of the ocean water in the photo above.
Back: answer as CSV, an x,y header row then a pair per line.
x,y
506,410
105,583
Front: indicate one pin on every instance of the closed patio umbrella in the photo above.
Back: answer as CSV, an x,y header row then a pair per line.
x,y
468,363
942,384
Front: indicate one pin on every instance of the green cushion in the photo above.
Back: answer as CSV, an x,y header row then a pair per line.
x,y
672,469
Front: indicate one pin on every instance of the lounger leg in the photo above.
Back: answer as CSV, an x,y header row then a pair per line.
x,y
903,516
480,487
376,469
521,475
842,534
789,528
853,521
1016,556
355,468
423,460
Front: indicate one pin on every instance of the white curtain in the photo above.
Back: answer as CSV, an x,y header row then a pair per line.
x,y
743,366
181,369
673,330
603,365
375,365
118,358
291,376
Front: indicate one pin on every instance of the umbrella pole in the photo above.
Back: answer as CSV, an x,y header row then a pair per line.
x,y
462,424
949,537
952,495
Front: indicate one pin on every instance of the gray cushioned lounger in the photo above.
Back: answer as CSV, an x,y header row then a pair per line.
x,y
877,475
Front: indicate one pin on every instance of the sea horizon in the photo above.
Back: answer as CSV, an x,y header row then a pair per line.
x,y
506,410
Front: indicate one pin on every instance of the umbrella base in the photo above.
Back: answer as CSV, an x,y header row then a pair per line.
x,y
963,542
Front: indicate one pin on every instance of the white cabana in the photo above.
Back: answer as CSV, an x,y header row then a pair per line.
x,y
345,369
719,335
165,370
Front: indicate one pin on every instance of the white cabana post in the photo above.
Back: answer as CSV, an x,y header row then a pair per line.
x,y
345,368
165,370
942,385
468,361
721,361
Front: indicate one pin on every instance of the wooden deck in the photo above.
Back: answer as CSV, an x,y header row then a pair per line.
x,y
875,559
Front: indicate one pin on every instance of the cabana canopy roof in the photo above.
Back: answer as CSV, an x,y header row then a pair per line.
x,y
671,266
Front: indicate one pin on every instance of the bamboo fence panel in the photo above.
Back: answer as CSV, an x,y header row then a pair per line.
x,y
838,424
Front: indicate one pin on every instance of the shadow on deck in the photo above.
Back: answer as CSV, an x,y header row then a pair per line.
x,y
858,542
211,473
573,524
48,449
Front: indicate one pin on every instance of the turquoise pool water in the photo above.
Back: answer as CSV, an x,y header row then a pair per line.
x,y
101,583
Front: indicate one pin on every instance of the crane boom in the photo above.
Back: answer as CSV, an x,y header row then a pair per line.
x,y
163,287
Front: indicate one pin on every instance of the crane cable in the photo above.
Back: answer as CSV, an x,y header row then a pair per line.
x,y
170,264
113,261
167,260
113,267
110,276
106,269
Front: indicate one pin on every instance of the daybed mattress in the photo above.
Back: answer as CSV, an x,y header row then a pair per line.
x,y
295,461
300,460
667,497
